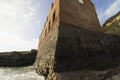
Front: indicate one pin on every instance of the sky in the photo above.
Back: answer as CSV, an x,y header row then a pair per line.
x,y
21,21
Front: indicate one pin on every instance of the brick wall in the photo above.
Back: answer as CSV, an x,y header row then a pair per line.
x,y
82,15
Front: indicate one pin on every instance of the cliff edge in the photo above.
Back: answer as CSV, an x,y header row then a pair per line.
x,y
17,59
112,25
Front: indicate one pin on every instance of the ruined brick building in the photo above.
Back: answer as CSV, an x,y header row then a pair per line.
x,y
71,40
75,12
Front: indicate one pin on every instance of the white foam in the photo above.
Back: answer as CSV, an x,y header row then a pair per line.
x,y
24,73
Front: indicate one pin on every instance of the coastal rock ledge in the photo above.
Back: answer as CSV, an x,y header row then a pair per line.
x,y
17,59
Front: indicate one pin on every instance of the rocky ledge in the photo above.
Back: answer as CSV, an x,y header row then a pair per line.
x,y
17,59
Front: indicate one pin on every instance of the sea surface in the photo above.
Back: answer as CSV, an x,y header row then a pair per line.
x,y
21,73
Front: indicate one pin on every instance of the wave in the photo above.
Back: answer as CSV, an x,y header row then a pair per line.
x,y
21,73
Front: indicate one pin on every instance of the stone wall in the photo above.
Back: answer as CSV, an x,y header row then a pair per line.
x,y
70,49
79,48
45,57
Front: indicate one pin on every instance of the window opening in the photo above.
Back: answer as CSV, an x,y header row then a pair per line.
x,y
49,26
53,16
45,32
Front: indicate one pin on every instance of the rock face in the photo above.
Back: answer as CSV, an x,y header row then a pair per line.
x,y
17,59
112,25
72,47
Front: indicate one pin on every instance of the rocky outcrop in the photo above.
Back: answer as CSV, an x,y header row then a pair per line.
x,y
112,25
17,59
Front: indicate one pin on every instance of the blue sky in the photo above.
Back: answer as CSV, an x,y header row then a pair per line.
x,y
21,21
106,8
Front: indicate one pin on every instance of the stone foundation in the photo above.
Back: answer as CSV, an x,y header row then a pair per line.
x,y
69,50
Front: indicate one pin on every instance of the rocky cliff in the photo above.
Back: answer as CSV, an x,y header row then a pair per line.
x,y
17,59
112,25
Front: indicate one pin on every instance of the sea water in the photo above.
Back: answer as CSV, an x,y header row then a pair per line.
x,y
21,73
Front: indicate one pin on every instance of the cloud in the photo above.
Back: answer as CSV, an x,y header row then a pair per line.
x,y
12,42
113,8
8,10
18,9
17,20
29,17
109,12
